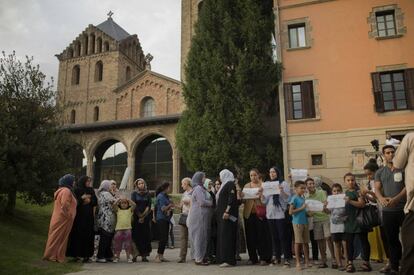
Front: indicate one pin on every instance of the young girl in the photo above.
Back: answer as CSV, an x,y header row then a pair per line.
x,y
124,210
353,202
337,226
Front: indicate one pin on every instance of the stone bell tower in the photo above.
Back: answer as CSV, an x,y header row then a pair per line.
x,y
100,59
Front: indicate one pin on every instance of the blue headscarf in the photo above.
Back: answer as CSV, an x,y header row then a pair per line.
x,y
197,179
67,181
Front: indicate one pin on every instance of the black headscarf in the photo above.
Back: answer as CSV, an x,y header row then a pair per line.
x,y
276,197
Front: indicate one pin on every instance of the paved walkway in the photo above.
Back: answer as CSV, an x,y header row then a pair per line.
x,y
140,268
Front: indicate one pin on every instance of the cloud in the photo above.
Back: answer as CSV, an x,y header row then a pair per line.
x,y
43,28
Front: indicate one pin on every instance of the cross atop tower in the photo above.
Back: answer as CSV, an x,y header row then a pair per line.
x,y
110,13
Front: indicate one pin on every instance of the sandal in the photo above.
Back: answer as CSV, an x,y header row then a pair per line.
x,y
385,269
365,267
350,268
322,265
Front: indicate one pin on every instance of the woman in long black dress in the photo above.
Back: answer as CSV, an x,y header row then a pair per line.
x,y
227,213
81,238
141,229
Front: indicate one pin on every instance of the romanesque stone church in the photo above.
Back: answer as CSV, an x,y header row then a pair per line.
x,y
120,112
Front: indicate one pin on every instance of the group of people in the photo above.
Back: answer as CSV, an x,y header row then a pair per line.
x,y
276,227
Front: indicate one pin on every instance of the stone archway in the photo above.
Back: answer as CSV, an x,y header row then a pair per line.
x,y
110,159
154,160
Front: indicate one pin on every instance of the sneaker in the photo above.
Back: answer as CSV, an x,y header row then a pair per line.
x,y
101,260
224,265
130,261
116,260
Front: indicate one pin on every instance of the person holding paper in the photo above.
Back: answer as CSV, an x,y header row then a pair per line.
x,y
297,210
337,227
257,231
276,206
321,230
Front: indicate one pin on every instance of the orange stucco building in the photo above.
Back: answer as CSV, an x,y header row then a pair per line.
x,y
348,79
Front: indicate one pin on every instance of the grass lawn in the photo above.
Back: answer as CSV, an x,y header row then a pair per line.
x,y
23,239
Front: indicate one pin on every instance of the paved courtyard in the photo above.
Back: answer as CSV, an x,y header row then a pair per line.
x,y
189,268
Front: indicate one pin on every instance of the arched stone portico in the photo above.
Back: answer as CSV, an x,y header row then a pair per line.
x,y
130,133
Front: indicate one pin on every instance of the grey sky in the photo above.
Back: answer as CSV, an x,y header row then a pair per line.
x,y
43,28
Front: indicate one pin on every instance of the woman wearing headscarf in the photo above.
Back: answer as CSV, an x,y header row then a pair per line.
x,y
82,236
227,213
141,225
64,211
106,221
276,206
198,218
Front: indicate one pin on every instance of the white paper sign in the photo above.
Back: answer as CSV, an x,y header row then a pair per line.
x,y
250,193
336,201
298,174
271,188
314,205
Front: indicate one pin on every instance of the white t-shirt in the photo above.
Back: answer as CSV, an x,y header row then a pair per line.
x,y
186,198
273,212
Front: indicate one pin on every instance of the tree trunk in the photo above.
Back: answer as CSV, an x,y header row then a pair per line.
x,y
11,201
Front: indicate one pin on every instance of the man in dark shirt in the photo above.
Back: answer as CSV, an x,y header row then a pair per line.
x,y
391,194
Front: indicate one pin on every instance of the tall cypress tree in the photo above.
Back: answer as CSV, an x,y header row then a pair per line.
x,y
230,77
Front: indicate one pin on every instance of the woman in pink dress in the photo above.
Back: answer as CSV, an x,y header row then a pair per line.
x,y
64,211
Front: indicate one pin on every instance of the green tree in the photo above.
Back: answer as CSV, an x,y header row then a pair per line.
x,y
32,148
230,81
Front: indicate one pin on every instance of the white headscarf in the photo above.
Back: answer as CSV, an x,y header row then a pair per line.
x,y
225,177
105,186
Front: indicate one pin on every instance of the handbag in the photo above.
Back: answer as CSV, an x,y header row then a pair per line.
x,y
260,211
368,217
183,219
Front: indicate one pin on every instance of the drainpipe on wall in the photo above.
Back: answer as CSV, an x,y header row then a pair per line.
x,y
283,126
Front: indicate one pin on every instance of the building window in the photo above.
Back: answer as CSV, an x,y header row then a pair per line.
x,y
106,46
148,107
70,53
73,117
393,90
127,73
78,48
76,75
386,23
99,45
98,71
96,113
92,44
317,160
299,100
297,36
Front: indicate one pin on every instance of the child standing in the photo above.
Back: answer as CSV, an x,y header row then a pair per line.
x,y
124,210
338,217
353,202
300,223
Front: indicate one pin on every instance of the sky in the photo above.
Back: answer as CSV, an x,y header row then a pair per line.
x,y
43,28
